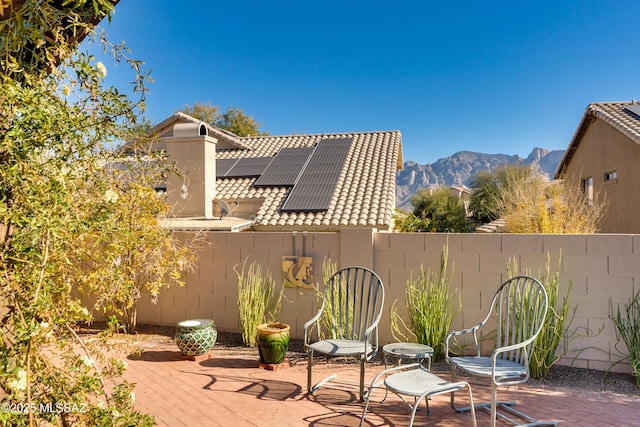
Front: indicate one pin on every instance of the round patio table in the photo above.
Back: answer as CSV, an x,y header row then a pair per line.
x,y
408,350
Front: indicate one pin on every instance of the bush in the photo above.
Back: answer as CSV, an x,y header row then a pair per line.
x,y
535,206
326,320
444,211
431,307
124,244
258,300
410,223
627,325
57,117
553,330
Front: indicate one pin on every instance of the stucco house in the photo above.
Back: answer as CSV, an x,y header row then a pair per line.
x,y
602,159
320,182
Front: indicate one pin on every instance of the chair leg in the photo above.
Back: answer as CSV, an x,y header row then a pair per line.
x,y
452,402
309,366
494,404
366,404
362,364
492,407
472,406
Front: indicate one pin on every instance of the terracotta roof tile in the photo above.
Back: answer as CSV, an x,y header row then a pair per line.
x,y
365,191
613,113
364,194
617,116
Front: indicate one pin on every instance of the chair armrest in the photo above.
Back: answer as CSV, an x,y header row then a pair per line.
x,y
472,330
367,339
462,332
308,327
513,379
523,344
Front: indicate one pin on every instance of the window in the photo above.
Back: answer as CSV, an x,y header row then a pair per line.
x,y
587,189
611,177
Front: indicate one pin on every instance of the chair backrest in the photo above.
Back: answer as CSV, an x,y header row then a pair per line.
x,y
353,300
520,305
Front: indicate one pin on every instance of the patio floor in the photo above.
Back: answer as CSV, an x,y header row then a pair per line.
x,y
229,389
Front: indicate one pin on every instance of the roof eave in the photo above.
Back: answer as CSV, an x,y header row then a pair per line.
x,y
592,112
586,120
318,228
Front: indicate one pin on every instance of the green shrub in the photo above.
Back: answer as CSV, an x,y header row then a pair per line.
x,y
546,344
628,330
328,270
258,300
431,307
58,119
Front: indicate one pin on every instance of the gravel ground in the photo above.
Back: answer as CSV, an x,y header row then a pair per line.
x,y
586,380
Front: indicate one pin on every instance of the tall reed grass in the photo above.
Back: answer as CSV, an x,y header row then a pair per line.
x,y
627,325
431,306
545,347
337,308
258,299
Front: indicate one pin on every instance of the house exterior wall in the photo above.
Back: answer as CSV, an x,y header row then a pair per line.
x,y
604,149
604,271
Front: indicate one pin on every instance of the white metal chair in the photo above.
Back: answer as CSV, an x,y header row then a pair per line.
x,y
347,322
416,380
517,311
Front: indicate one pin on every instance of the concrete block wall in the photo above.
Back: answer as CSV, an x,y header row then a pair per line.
x,y
604,271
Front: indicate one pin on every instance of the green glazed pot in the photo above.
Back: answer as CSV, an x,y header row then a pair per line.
x,y
273,342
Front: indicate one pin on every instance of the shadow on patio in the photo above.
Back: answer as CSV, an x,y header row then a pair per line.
x,y
229,389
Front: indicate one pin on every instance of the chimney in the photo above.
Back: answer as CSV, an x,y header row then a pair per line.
x,y
192,151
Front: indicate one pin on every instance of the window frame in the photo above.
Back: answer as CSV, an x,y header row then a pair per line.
x,y
587,188
611,177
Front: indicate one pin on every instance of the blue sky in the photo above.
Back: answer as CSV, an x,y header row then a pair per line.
x,y
493,77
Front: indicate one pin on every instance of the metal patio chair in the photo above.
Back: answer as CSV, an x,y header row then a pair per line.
x,y
347,322
517,311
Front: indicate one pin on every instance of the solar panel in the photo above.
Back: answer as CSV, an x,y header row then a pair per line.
x,y
223,166
249,167
283,171
633,108
318,180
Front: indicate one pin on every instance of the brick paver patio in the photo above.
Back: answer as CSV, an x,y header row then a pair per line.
x,y
229,389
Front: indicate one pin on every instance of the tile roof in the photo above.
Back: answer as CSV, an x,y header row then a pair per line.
x,y
612,113
364,194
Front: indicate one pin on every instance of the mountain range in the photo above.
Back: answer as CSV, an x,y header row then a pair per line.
x,y
459,168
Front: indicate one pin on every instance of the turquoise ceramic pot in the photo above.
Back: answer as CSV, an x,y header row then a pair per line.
x,y
196,337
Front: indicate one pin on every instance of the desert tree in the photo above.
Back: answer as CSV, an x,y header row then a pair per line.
x,y
487,187
233,119
434,210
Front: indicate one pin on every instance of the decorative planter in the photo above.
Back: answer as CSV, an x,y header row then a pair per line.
x,y
196,337
273,342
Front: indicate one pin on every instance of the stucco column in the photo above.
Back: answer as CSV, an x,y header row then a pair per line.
x,y
194,154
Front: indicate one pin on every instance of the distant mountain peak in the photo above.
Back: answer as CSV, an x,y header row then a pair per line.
x,y
460,167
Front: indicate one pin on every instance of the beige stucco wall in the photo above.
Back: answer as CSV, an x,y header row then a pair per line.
x,y
604,269
196,157
603,149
